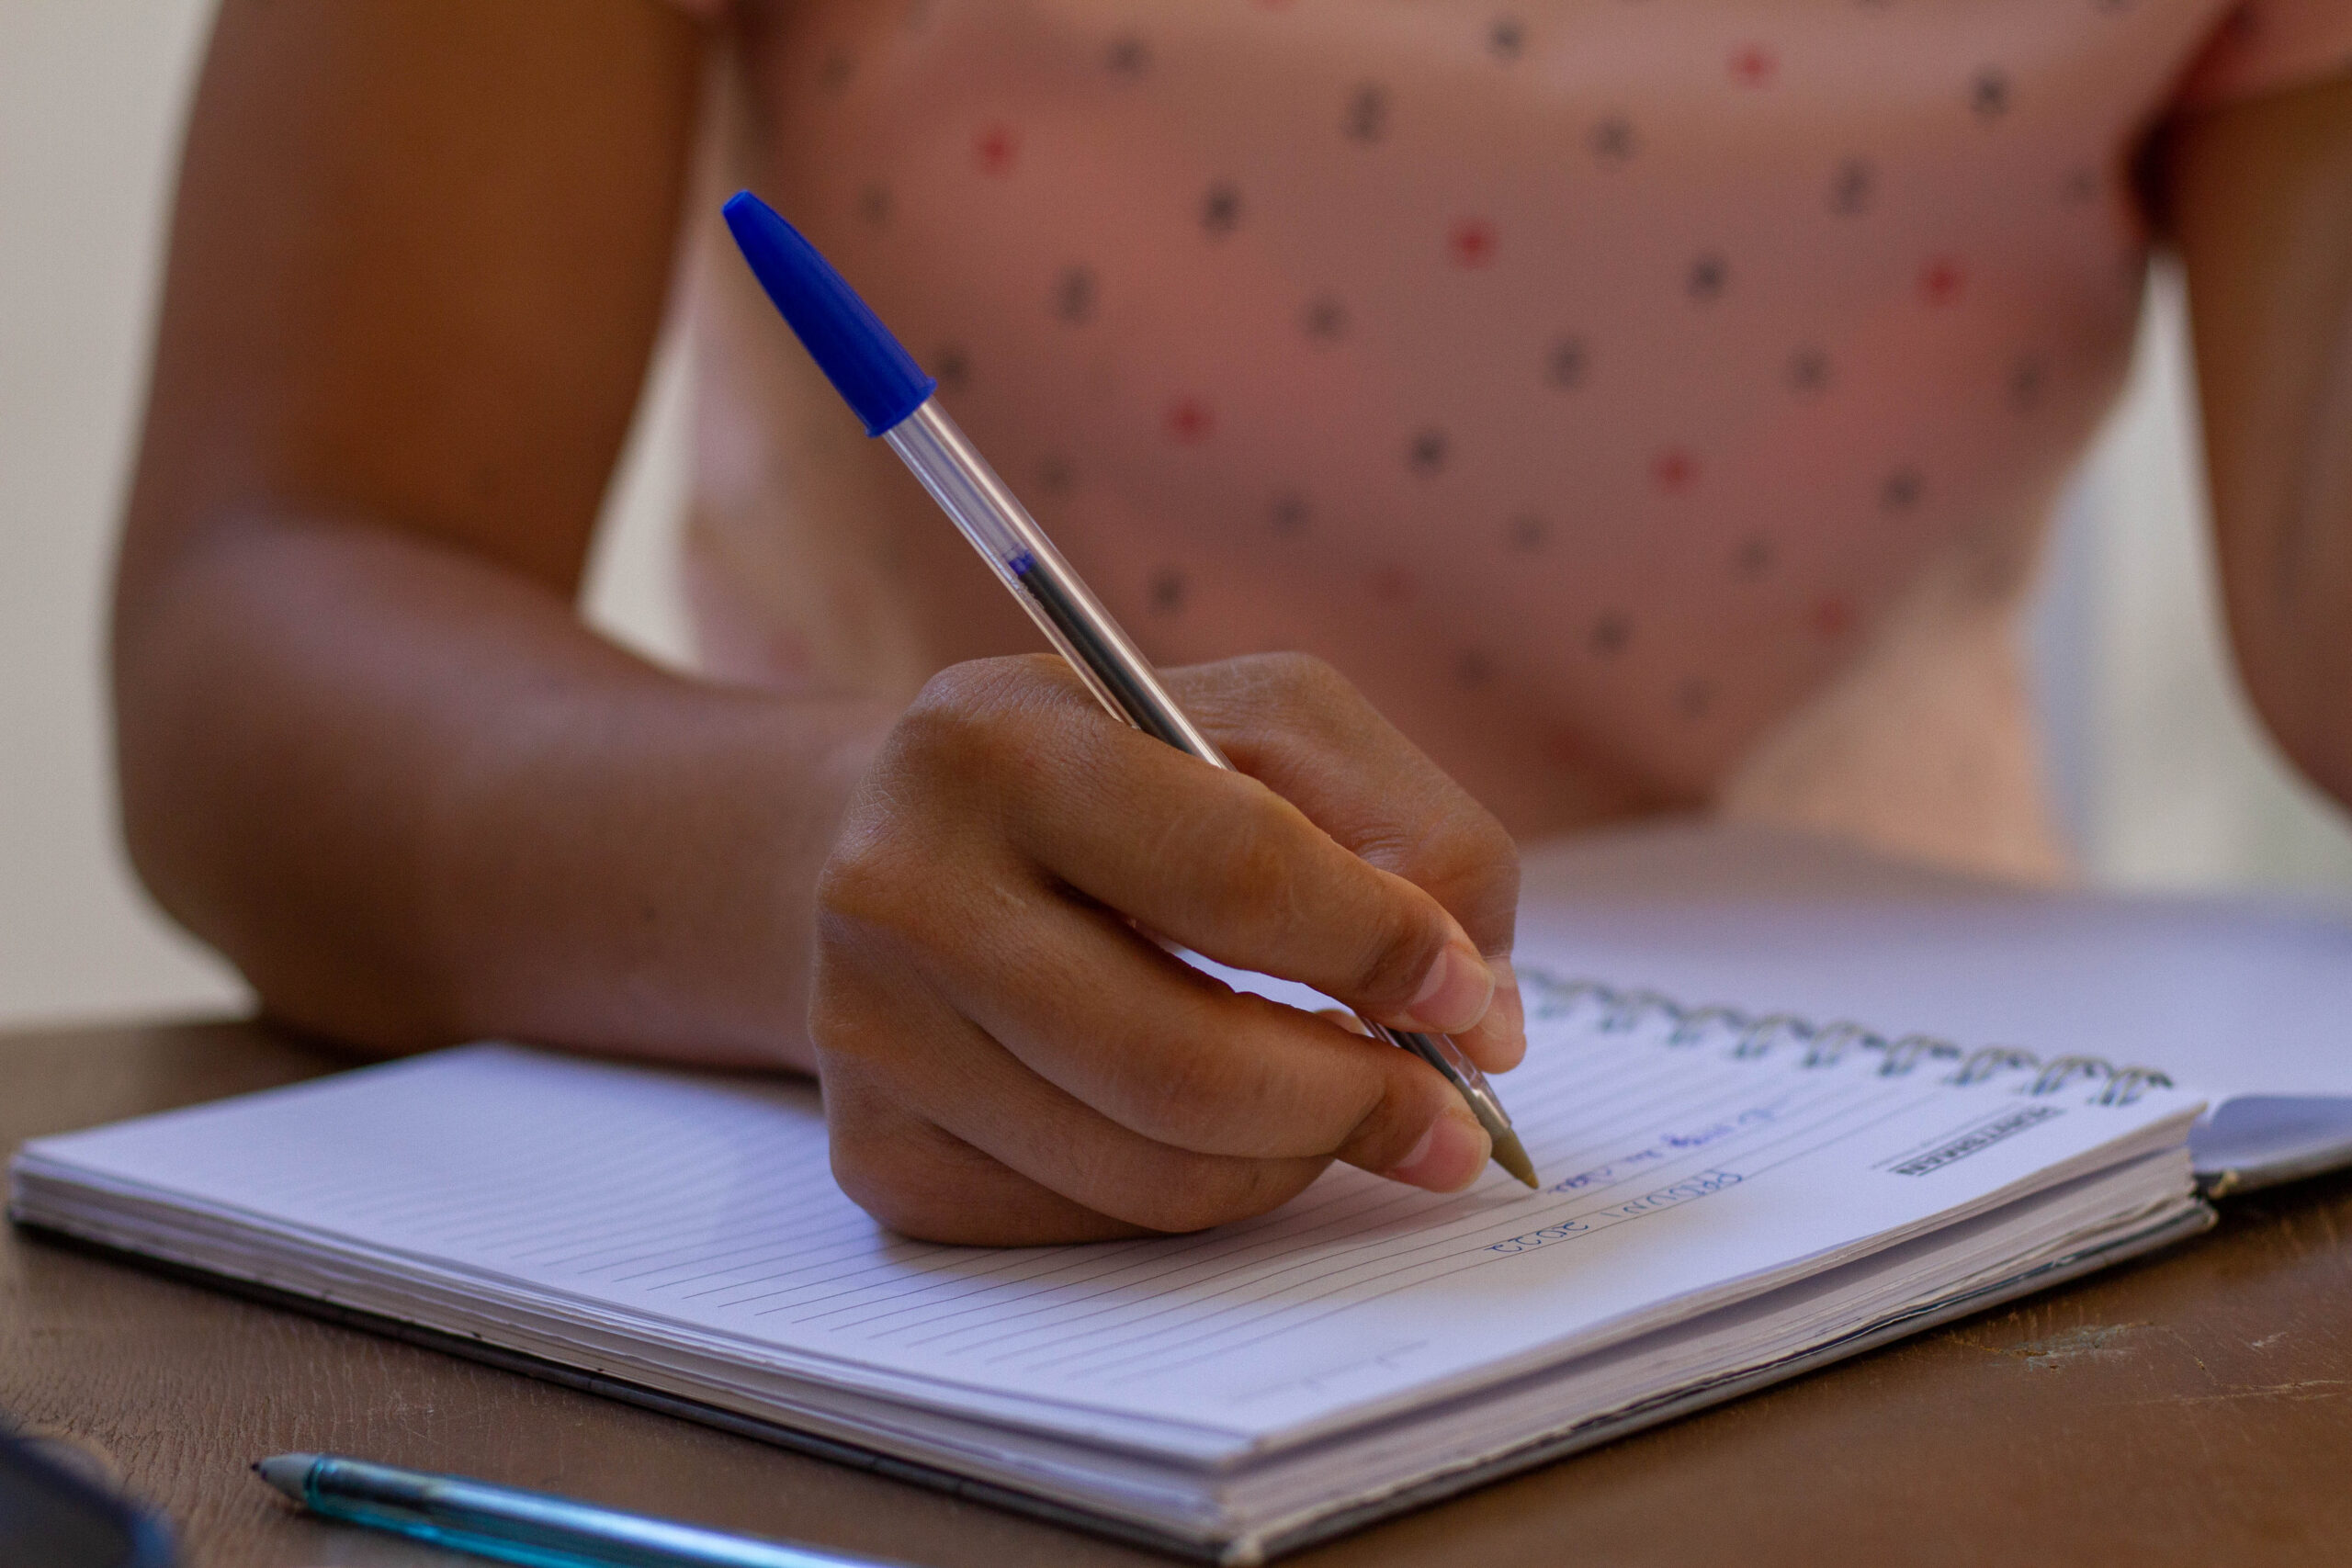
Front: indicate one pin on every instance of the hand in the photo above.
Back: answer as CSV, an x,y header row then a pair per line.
x,y
1007,1060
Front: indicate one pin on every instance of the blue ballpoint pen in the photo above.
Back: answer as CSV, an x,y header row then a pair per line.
x,y
533,1528
891,393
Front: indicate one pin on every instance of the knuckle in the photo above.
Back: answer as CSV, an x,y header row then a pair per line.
x,y
990,734
1304,687
1305,673
983,685
862,884
1471,864
955,717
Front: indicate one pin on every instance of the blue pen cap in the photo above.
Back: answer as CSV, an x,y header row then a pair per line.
x,y
875,375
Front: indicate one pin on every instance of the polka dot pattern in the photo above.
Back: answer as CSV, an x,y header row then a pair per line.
x,y
1598,372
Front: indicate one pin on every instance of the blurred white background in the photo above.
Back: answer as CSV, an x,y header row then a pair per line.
x,y
2164,778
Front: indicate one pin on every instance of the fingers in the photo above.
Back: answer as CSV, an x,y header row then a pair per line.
x,y
1216,860
1071,994
1498,1042
1298,725
919,1138
924,1182
1182,1060
1302,728
1223,865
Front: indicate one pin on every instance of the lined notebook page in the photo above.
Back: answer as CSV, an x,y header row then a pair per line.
x,y
703,1212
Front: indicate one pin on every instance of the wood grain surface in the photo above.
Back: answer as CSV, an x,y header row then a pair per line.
x,y
2192,1408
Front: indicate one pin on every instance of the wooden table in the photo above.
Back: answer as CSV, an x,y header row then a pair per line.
x,y
2195,1407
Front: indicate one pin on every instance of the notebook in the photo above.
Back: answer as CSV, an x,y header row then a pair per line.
x,y
1732,1195
2247,998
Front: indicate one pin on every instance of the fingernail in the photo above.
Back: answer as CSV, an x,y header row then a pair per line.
x,y
1449,1156
1455,993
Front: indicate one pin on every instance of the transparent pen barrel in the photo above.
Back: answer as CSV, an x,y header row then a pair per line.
x,y
1017,550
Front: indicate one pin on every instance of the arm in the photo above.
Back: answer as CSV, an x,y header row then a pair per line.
x,y
369,752
2259,196
367,747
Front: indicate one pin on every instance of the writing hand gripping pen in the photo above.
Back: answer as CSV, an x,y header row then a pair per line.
x,y
891,393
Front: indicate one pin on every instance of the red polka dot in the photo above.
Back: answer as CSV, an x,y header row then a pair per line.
x,y
995,148
1472,242
1831,617
1190,419
1753,65
1674,471
1941,280
1392,585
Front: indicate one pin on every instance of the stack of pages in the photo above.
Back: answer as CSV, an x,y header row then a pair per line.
x,y
1731,1196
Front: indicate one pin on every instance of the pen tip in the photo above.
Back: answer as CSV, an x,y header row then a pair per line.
x,y
1511,1155
286,1472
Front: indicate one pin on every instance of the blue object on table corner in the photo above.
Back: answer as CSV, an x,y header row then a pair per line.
x,y
877,376
53,1515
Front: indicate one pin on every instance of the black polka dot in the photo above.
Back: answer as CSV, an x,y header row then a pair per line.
x,y
1128,55
1853,189
1612,138
833,72
1753,559
1290,514
1692,699
1325,320
1167,591
1507,38
1709,275
1427,453
1808,372
1054,475
1525,531
1610,634
1900,491
2027,378
1988,93
952,366
1366,119
1074,295
1471,668
875,205
1565,362
1221,209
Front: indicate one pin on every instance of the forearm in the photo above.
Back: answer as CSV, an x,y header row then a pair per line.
x,y
2261,197
416,801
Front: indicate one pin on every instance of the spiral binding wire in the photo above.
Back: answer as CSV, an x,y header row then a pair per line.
x,y
1745,1034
